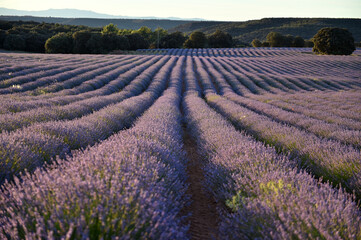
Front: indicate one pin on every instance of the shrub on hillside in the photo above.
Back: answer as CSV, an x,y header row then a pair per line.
x,y
14,42
80,39
59,43
2,37
298,42
334,41
34,42
109,29
275,39
173,40
136,41
220,39
95,43
113,41
196,40
256,43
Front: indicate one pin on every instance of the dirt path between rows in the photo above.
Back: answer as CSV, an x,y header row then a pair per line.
x,y
204,219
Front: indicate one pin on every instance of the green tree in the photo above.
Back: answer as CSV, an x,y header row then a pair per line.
x,y
136,41
335,41
113,41
173,40
80,39
14,42
110,29
157,35
298,42
196,40
125,31
287,41
95,43
145,32
256,43
265,44
220,39
2,38
34,42
59,43
275,39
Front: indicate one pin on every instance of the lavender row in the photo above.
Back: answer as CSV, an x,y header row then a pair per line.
x,y
318,127
229,52
315,79
80,82
329,159
124,86
262,195
257,83
28,62
41,142
32,71
58,76
344,104
338,131
245,88
290,61
333,66
6,80
329,113
294,70
112,82
130,186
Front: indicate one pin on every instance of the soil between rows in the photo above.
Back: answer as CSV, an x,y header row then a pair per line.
x,y
204,218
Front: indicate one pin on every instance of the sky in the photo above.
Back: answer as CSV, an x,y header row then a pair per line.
x,y
223,10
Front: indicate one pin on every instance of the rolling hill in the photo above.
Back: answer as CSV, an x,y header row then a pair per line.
x,y
241,31
249,30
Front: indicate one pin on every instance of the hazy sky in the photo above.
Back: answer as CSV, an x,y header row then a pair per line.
x,y
228,10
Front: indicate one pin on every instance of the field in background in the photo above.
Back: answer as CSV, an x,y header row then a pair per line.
x,y
117,145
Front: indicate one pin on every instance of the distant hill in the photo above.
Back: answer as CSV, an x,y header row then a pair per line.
x,y
249,30
242,31
76,13
97,22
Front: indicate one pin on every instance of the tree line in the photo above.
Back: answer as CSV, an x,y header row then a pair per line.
x,y
335,41
275,39
57,38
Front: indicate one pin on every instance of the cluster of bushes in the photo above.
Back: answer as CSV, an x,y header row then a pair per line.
x,y
335,41
56,38
275,39
31,36
218,39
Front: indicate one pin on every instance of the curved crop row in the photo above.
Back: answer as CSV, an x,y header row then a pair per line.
x,y
29,63
328,159
58,76
131,186
10,122
342,107
35,142
100,85
34,72
265,196
318,127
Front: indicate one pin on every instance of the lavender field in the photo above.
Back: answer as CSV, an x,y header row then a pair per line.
x,y
253,143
